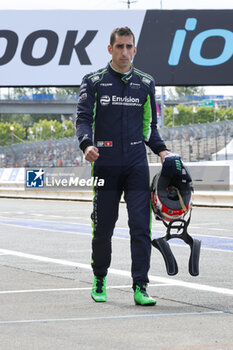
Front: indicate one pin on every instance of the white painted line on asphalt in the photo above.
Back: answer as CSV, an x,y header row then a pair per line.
x,y
57,217
219,229
158,279
22,291
207,223
75,319
45,259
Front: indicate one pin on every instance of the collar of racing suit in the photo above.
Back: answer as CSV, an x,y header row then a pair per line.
x,y
124,77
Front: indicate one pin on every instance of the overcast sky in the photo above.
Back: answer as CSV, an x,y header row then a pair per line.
x,y
122,4
115,4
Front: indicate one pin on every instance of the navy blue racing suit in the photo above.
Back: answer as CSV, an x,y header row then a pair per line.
x,y
119,110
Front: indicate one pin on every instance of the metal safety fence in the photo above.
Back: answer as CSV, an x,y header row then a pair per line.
x,y
195,142
50,153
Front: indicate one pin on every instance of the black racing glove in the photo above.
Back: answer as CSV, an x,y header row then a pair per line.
x,y
174,168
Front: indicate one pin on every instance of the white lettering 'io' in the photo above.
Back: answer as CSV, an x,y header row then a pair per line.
x,y
197,43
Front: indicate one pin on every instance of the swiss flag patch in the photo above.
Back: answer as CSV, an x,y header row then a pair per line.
x,y
108,143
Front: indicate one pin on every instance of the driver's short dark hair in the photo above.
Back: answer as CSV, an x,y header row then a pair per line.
x,y
123,31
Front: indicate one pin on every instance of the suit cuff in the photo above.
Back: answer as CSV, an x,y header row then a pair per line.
x,y
85,144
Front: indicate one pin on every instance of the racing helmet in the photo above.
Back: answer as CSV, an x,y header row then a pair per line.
x,y
170,199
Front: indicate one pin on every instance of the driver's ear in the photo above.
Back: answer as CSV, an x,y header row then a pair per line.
x,y
110,49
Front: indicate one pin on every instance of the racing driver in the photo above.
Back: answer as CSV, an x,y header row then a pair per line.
x,y
117,106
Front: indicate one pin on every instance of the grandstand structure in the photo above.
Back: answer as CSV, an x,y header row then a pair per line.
x,y
197,142
193,143
50,153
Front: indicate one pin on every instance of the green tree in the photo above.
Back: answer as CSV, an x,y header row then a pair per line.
x,y
50,129
183,115
44,130
23,119
8,136
68,128
168,116
27,120
204,115
186,115
227,113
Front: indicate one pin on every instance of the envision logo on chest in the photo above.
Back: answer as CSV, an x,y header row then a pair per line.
x,y
118,100
105,100
125,99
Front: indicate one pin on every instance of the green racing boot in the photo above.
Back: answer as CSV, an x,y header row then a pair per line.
x,y
141,297
99,289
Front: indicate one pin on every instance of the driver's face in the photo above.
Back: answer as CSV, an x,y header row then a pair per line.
x,y
122,51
